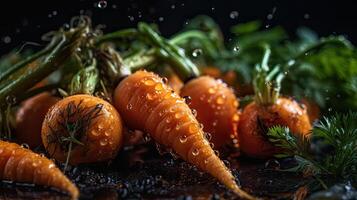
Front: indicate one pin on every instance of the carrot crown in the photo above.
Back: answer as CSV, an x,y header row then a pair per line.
x,y
267,83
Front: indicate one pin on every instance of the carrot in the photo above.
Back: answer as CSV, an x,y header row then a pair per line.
x,y
30,116
175,83
267,110
313,109
215,103
22,165
147,104
216,107
82,129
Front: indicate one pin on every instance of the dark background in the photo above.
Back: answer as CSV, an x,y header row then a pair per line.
x,y
26,21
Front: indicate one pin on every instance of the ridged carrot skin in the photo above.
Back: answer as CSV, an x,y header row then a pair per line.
x,y
216,107
30,116
285,112
147,104
22,165
94,123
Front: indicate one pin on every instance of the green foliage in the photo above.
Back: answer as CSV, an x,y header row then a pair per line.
x,y
331,152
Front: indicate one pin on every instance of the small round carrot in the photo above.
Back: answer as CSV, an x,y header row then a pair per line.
x,y
267,110
22,165
216,107
147,104
82,129
30,116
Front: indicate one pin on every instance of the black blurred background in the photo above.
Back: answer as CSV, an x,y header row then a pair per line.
x,y
26,21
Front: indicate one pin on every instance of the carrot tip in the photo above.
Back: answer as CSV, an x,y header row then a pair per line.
x,y
242,193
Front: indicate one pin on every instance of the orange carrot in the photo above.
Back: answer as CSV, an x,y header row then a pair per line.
x,y
269,109
147,104
82,129
175,83
22,165
30,116
216,107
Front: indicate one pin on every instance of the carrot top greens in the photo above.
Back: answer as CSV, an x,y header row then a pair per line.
x,y
330,154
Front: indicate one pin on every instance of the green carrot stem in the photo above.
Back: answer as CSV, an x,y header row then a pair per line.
x,y
25,62
140,60
51,63
171,53
125,33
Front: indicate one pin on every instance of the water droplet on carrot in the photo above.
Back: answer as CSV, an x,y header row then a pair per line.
x,y
149,82
103,142
25,145
214,123
149,96
129,106
165,80
94,133
106,133
211,90
100,127
178,115
187,99
159,87
193,128
208,136
220,100
194,112
235,117
211,144
195,152
183,138
235,103
216,152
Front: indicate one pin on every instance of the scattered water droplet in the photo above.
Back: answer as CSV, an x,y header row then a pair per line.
x,y
329,109
236,48
196,53
131,18
195,152
214,123
234,14
272,164
227,163
129,106
306,16
7,39
149,82
161,19
193,128
147,138
173,6
183,138
11,100
194,112
25,145
187,99
220,100
103,142
159,87
208,136
102,4
235,117
149,96
165,80
211,90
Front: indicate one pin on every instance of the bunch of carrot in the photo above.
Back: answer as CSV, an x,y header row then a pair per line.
x,y
81,128
80,119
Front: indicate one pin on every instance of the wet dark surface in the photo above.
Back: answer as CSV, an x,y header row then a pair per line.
x,y
141,173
